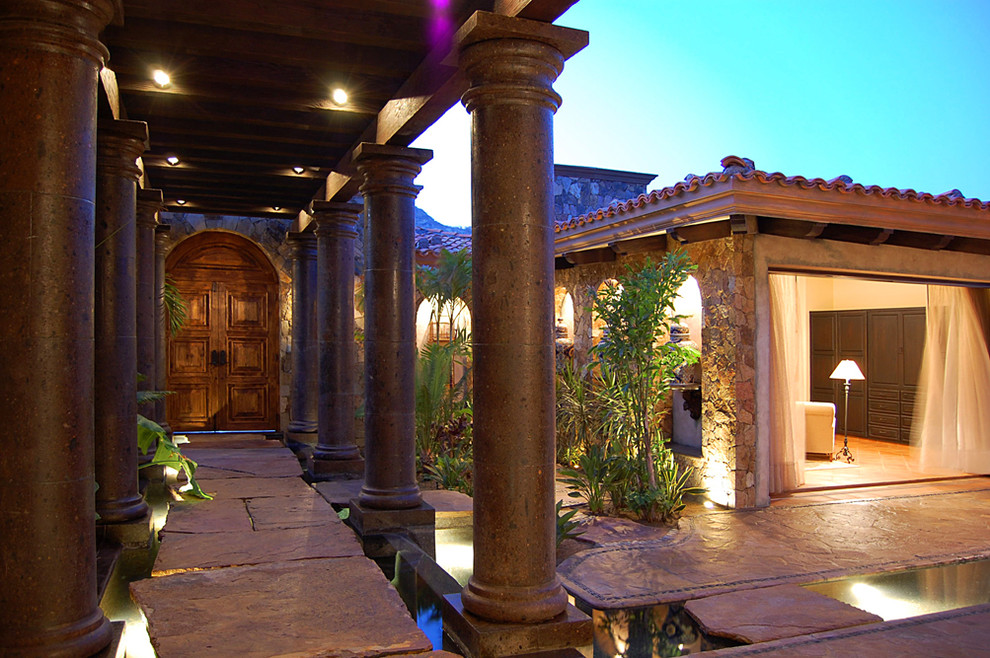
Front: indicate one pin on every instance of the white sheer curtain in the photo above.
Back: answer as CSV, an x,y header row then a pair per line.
x,y
952,421
788,380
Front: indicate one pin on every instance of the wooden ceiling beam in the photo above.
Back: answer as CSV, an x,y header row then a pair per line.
x,y
167,129
179,144
159,40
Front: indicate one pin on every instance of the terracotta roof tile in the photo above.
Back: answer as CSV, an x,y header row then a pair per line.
x,y
743,169
434,240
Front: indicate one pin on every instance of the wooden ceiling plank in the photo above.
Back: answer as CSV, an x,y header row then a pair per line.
x,y
289,17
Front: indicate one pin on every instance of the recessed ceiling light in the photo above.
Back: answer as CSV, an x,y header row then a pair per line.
x,y
276,208
299,170
181,202
161,78
339,96
172,160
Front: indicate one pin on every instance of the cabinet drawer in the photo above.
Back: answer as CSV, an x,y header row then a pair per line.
x,y
885,406
906,423
884,394
884,432
907,396
907,410
893,420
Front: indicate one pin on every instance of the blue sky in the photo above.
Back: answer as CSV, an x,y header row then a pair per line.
x,y
890,93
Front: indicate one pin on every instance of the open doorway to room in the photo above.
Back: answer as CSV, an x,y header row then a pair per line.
x,y
882,327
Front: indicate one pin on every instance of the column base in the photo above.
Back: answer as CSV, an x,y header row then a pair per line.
x,y
116,648
334,469
480,638
133,535
122,511
296,439
86,637
417,523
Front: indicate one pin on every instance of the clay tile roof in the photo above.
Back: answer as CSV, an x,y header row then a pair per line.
x,y
434,240
743,169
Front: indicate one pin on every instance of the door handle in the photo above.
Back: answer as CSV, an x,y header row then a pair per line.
x,y
214,358
223,357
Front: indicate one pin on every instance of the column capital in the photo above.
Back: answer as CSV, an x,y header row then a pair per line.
x,y
162,236
67,28
149,202
302,243
390,169
119,144
333,218
513,60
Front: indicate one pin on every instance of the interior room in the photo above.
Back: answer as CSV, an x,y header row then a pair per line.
x,y
907,411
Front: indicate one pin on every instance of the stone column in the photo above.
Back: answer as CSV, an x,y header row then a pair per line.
x,y
510,65
389,324
305,355
335,452
49,58
149,202
119,144
161,324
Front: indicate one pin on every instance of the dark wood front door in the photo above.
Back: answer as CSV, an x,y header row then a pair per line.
x,y
222,366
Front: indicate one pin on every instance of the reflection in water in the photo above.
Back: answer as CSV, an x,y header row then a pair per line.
x,y
903,594
661,630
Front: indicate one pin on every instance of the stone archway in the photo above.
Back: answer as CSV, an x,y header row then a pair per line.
x,y
223,365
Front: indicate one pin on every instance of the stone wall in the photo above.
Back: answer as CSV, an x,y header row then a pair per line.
x,y
728,362
269,234
579,190
725,277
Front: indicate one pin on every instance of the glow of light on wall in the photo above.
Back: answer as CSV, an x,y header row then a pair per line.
x,y
688,303
462,320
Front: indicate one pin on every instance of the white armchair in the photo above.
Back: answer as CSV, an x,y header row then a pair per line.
x,y
819,427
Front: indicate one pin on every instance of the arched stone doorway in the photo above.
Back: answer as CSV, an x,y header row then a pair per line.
x,y
223,365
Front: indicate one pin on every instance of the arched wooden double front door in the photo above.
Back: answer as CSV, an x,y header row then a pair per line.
x,y
223,365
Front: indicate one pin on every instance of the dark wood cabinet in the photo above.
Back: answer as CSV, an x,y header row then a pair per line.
x,y
887,344
897,342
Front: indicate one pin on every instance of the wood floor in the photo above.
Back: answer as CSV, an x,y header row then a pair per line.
x,y
875,462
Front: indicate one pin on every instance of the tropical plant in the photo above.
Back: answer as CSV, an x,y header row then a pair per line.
x,y
638,311
444,285
453,472
591,479
441,408
580,412
566,525
167,453
176,310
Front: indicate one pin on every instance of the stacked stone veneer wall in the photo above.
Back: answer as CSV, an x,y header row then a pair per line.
x,y
728,362
269,234
727,467
579,190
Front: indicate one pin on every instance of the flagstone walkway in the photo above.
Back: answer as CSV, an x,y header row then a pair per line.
x,y
267,568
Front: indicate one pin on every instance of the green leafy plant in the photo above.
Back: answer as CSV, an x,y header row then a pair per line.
x,y
176,310
453,472
638,311
566,525
591,479
167,453
581,415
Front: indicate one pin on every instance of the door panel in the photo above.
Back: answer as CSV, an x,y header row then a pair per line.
x,y
223,364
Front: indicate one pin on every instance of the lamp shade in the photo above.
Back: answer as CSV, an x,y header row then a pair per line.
x,y
847,370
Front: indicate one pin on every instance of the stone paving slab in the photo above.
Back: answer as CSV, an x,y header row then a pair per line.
x,y
256,487
773,613
727,551
324,607
241,463
208,516
307,509
181,552
962,633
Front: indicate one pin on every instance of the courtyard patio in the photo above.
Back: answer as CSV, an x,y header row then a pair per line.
x,y
267,567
